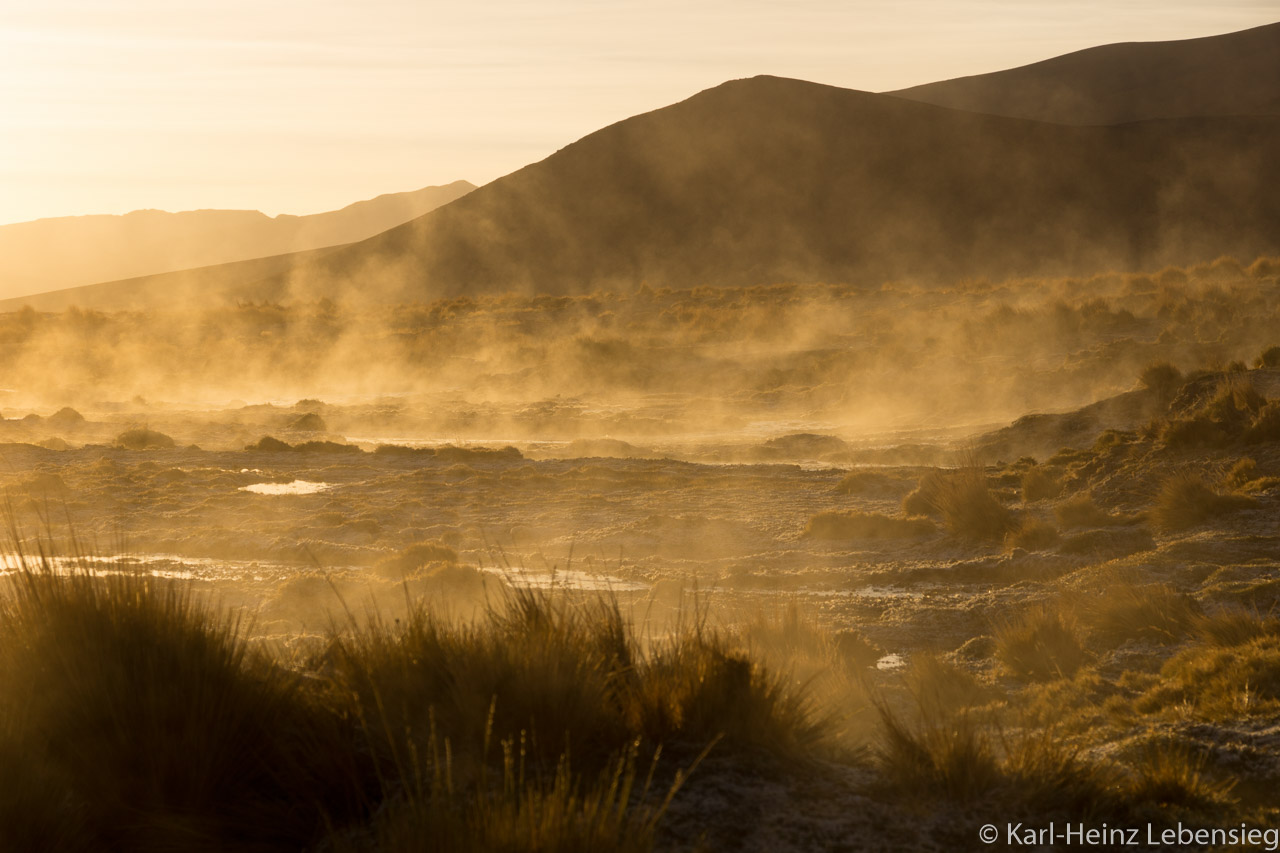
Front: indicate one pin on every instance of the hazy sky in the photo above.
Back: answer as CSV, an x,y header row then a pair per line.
x,y
298,106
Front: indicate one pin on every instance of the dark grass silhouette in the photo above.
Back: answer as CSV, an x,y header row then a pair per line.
x,y
134,717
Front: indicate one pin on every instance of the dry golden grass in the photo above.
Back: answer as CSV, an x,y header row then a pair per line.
x,y
1186,500
1040,644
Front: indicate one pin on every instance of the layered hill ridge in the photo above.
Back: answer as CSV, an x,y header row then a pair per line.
x,y
769,179
66,251
1233,74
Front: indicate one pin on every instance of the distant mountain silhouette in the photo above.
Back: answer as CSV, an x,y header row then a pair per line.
x,y
55,253
769,180
1233,74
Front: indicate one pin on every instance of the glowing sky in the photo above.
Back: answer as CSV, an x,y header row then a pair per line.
x,y
305,105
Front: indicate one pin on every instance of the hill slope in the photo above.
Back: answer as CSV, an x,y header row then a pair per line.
x,y
75,250
768,179
1233,74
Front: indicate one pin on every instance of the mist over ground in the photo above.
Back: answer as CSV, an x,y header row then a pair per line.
x,y
788,469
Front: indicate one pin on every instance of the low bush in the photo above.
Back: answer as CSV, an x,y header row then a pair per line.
x,y
866,525
143,439
1081,511
964,501
864,483
1038,484
1187,500
1040,644
1033,534
1124,610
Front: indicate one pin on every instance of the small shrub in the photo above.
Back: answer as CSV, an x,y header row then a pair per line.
x,y
1038,484
1033,534
143,439
1220,682
866,525
1266,425
1081,511
1168,774
864,483
1233,626
964,502
1244,470
310,422
1270,357
1040,644
1162,379
268,444
66,417
923,500
1126,611
415,557
1186,500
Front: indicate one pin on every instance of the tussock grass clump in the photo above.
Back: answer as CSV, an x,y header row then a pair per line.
x,y
570,676
1168,774
564,813
1266,425
1162,379
1033,534
964,501
1218,682
1039,484
866,525
134,718
1186,500
923,499
415,557
156,723
1081,511
1244,470
864,483
1234,626
1125,611
1040,644
955,757
143,439
1236,413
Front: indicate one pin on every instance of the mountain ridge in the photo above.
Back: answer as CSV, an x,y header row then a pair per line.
x,y
79,250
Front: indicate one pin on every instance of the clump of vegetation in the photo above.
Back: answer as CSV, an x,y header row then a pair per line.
x,y
157,724
1124,611
1040,644
143,439
1233,626
132,717
866,525
964,501
417,556
1216,682
270,444
1039,484
1186,499
1162,379
310,422
1236,413
1270,357
1032,534
1081,511
864,483
66,417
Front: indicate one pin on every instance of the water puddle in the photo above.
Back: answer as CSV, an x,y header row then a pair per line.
x,y
566,579
172,566
297,487
891,662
